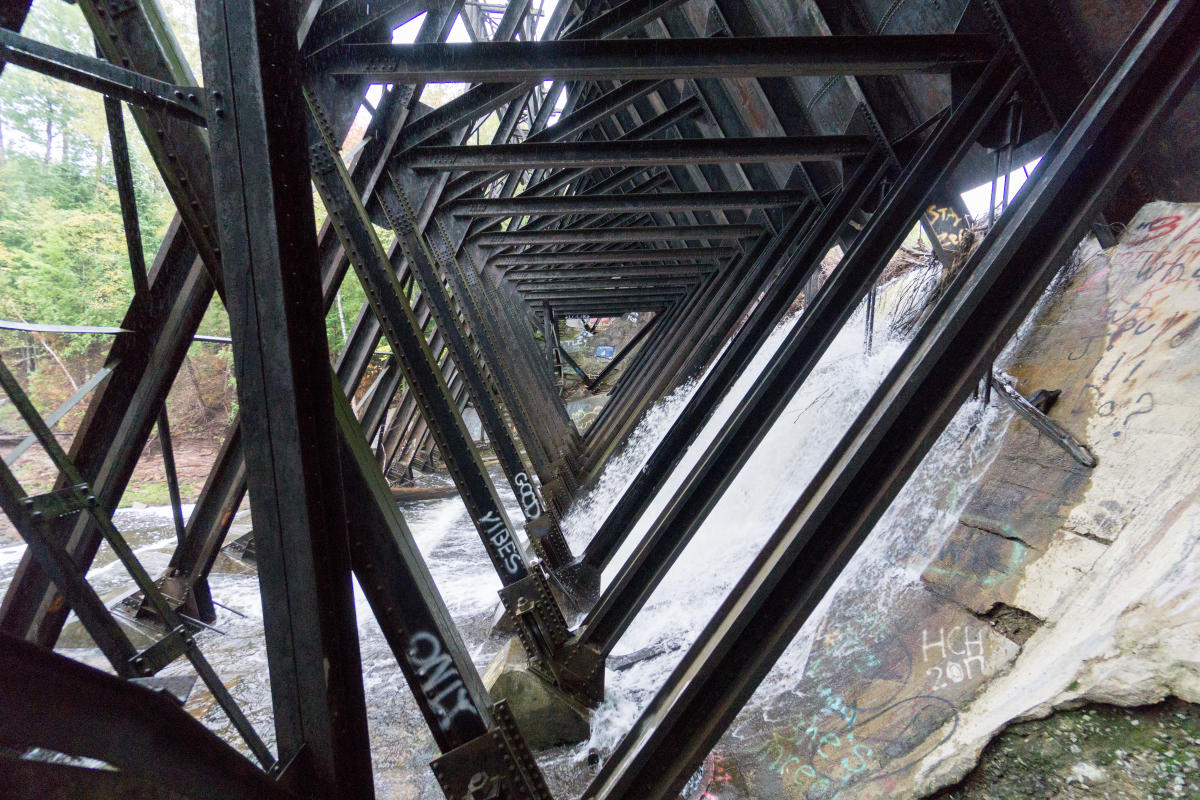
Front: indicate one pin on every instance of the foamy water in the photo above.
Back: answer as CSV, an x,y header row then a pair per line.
x,y
791,452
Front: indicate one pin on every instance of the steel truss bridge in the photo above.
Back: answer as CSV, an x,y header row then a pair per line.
x,y
692,158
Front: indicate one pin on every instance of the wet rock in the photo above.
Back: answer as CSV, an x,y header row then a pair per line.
x,y
1121,753
1117,579
547,717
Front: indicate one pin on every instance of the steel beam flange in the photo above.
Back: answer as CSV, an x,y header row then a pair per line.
x,y
581,666
546,539
555,494
496,766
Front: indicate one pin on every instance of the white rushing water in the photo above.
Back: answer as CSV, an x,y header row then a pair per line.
x,y
795,447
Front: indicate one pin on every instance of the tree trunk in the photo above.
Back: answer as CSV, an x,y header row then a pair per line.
x,y
46,345
49,141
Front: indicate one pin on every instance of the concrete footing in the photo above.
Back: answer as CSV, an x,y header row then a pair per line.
x,y
547,717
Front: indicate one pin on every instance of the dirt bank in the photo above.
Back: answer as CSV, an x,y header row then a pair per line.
x,y
193,459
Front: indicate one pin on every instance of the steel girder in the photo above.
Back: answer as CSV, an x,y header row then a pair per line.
x,y
140,90
602,276
654,152
269,258
626,204
643,234
657,59
649,294
984,307
664,255
797,356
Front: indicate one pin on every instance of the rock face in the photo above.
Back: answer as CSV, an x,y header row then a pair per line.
x,y
1113,563
1100,751
1055,584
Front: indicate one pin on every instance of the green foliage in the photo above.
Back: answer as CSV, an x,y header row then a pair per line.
x,y
63,257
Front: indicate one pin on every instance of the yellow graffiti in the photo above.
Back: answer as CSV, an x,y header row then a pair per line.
x,y
947,224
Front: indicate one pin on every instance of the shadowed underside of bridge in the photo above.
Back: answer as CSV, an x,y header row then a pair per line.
x,y
694,161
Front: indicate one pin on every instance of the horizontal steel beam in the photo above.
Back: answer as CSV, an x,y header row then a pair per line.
x,y
615,256
651,152
647,294
185,102
602,309
651,59
648,233
563,275
606,283
626,204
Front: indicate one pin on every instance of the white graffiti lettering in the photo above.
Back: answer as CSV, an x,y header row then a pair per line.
x,y
528,496
496,531
962,641
440,679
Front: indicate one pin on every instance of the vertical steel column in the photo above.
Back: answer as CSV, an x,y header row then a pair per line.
x,y
141,284
548,332
268,248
